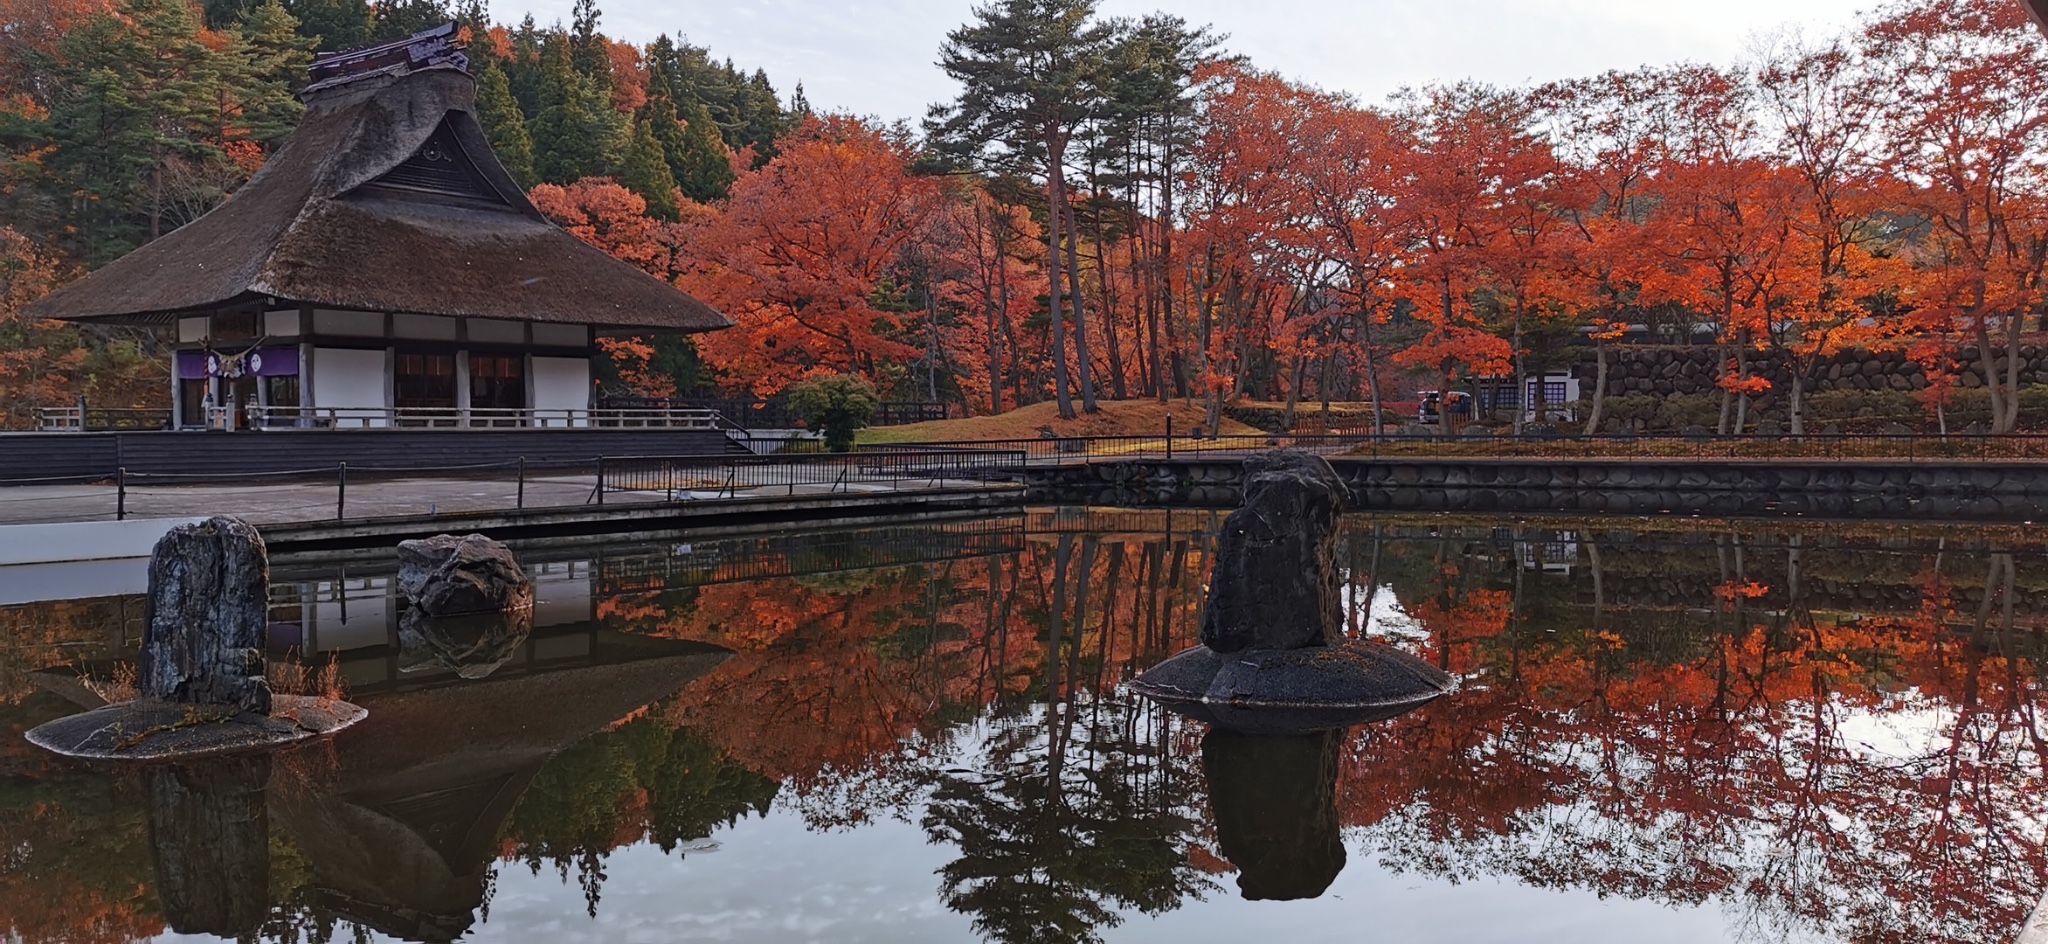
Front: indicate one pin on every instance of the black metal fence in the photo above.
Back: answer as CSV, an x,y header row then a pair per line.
x,y
346,491
686,477
1915,447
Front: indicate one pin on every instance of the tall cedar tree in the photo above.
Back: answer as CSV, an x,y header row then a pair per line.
x,y
278,56
498,112
577,133
646,173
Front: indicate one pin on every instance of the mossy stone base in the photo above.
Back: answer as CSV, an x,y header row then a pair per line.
x,y
148,730
1288,691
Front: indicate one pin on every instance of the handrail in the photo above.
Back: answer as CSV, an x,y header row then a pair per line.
x,y
75,419
291,417
715,475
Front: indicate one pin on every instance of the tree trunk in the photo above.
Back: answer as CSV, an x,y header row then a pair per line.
x,y
1521,377
1798,420
1372,369
1061,390
1293,395
1742,373
1079,307
1599,390
1109,336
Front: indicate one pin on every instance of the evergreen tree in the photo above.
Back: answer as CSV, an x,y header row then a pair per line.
x,y
227,14
523,68
278,56
577,133
503,124
397,19
334,24
705,162
646,173
473,15
140,106
587,49
1031,73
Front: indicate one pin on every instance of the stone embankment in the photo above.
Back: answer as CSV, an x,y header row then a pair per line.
x,y
1836,488
1690,370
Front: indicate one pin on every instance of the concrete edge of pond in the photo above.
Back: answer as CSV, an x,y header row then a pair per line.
x,y
645,516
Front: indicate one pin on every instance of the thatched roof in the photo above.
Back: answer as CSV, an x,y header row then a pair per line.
x,y
387,198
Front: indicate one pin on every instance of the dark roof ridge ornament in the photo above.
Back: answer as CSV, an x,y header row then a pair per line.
x,y
438,46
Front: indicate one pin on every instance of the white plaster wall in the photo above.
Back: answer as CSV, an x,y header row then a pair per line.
x,y
344,379
561,383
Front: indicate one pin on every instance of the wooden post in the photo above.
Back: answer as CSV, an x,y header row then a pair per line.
x,y
522,483
340,491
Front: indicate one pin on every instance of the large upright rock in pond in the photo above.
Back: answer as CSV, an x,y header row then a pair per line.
x,y
1276,581
209,601
200,677
1274,658
449,576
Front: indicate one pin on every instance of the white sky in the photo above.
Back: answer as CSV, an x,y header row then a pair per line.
x,y
874,57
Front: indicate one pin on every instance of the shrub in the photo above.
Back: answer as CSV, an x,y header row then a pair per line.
x,y
840,406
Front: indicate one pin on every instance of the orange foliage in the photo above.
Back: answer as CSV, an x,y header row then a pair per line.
x,y
802,254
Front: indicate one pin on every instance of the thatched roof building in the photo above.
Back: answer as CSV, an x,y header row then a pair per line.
x,y
382,262
387,198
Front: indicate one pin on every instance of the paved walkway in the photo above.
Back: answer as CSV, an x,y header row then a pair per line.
x,y
283,502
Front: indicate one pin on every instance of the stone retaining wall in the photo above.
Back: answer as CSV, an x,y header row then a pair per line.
x,y
1955,491
1679,371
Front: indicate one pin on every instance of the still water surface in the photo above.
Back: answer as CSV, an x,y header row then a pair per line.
x,y
1666,732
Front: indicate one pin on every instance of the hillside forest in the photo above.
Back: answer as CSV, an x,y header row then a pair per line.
x,y
1118,209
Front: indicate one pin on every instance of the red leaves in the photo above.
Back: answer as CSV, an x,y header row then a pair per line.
x,y
802,256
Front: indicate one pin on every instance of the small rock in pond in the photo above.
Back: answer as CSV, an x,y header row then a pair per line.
x,y
450,576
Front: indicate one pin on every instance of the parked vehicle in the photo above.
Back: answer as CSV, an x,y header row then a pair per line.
x,y
1429,412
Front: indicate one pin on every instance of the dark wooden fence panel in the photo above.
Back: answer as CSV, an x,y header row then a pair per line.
x,y
44,455
38,455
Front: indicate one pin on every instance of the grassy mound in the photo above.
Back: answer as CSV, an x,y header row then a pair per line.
x,y
1116,418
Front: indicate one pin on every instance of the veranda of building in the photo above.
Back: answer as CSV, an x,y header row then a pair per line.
x,y
381,269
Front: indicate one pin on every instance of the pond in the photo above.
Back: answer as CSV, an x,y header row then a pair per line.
x,y
1666,731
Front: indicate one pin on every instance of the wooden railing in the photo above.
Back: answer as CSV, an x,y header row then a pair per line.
x,y
774,413
73,419
295,417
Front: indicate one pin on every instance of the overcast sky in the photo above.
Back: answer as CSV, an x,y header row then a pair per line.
x,y
874,57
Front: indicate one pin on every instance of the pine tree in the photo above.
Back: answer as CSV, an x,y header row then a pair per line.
x,y
335,24
278,57
646,173
705,162
1031,77
499,114
143,104
227,14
